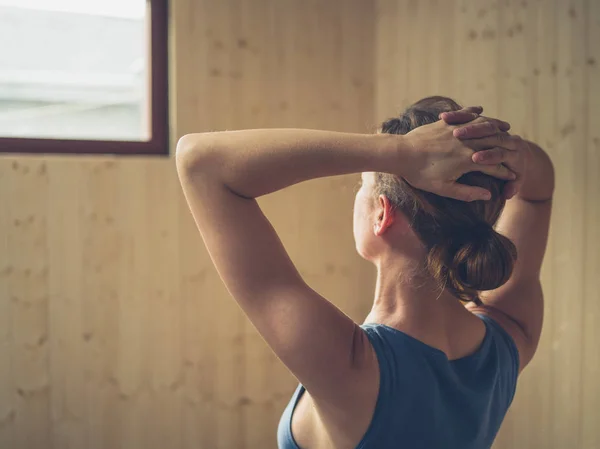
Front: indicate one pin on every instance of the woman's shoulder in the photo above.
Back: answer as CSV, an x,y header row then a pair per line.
x,y
505,329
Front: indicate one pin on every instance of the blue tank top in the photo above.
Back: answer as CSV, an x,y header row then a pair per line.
x,y
426,401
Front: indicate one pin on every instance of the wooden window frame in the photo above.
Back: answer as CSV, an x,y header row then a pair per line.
x,y
157,21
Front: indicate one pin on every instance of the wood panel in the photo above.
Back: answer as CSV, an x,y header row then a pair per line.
x,y
590,436
27,283
7,384
116,331
569,226
534,63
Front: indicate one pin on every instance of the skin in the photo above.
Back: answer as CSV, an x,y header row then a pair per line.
x,y
223,173
405,297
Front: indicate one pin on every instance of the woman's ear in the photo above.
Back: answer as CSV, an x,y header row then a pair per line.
x,y
385,216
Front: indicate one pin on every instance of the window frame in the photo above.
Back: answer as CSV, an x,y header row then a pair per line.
x,y
157,22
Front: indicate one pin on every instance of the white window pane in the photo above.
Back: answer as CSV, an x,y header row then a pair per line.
x,y
74,69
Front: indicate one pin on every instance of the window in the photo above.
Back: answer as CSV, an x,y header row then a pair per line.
x,y
83,76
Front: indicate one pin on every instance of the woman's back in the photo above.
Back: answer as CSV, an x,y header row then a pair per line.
x,y
428,401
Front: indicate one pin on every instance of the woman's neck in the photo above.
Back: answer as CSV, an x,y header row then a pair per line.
x,y
405,296
407,299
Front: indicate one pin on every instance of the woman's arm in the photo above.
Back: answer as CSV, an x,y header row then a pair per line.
x,y
255,162
519,304
222,173
538,178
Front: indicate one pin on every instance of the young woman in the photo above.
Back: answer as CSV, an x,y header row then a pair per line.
x,y
423,371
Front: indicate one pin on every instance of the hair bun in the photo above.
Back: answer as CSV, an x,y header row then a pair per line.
x,y
474,258
483,262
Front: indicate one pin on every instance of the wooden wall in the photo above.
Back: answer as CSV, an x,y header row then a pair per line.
x,y
115,330
535,63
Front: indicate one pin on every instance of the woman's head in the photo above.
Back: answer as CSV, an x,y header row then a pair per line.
x,y
460,248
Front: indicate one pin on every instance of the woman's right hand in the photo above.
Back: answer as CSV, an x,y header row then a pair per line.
x,y
438,158
515,158
492,144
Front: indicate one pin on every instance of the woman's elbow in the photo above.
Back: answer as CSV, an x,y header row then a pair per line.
x,y
194,151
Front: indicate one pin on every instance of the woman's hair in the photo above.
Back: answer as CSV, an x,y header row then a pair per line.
x,y
464,253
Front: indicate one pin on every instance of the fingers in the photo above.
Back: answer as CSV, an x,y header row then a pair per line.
x,y
467,115
463,192
500,163
501,139
464,115
482,127
494,156
458,117
475,109
489,157
476,130
504,126
499,171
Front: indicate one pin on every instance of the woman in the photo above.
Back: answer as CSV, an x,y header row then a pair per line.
x,y
423,371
